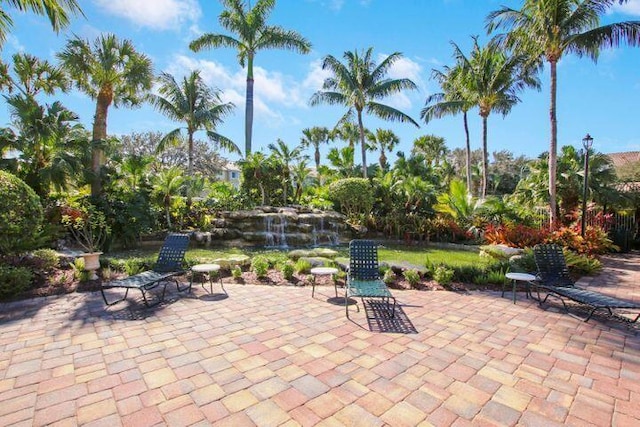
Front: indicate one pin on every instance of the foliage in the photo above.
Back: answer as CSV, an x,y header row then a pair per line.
x,y
443,275
389,277
303,266
86,223
514,235
458,204
581,264
353,197
236,272
14,280
21,215
129,215
287,268
262,179
594,242
260,266
46,259
496,277
412,276
79,271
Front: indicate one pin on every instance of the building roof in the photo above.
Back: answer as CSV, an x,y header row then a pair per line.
x,y
625,158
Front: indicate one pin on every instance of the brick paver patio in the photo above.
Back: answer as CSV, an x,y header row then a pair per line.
x,y
274,356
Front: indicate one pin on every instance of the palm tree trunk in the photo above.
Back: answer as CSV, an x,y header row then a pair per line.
x,y
553,147
468,152
485,157
189,165
248,116
363,146
99,135
317,156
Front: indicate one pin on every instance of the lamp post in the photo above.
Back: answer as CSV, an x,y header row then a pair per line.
x,y
587,143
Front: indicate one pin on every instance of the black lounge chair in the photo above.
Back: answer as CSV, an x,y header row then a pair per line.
x,y
363,279
168,265
553,277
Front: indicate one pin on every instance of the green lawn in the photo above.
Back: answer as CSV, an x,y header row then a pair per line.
x,y
413,255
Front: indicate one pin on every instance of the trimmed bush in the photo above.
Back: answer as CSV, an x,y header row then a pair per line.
x,y
443,275
413,277
260,266
21,216
45,259
236,272
286,268
389,277
14,280
353,196
303,266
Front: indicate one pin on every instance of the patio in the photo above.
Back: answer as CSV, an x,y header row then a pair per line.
x,y
274,356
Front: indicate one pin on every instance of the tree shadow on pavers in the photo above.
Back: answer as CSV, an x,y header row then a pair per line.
x,y
379,320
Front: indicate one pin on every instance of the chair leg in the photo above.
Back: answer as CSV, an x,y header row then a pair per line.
x,y
104,297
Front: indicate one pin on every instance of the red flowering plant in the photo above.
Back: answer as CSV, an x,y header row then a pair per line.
x,y
514,235
87,224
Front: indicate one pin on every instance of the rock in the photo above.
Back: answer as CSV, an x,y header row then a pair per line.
x,y
232,260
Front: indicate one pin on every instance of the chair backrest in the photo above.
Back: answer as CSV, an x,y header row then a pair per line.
x,y
551,265
172,253
363,260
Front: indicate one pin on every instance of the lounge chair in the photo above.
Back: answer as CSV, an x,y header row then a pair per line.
x,y
553,277
363,278
168,265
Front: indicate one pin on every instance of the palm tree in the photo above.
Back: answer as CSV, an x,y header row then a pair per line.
x,y
257,165
134,167
286,155
432,147
58,12
195,104
51,143
168,184
313,137
34,75
300,173
385,140
452,100
252,35
545,30
111,72
342,160
358,85
493,79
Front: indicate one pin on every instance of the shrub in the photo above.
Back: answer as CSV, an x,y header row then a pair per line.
x,y
389,277
581,264
21,215
133,266
236,272
496,277
467,273
286,268
303,266
514,235
46,259
412,276
594,242
481,280
443,275
353,197
260,266
14,280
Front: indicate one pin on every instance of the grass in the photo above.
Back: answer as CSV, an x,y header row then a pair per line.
x,y
416,255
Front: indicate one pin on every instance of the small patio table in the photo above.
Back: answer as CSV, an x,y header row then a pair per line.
x,y
208,269
519,277
323,271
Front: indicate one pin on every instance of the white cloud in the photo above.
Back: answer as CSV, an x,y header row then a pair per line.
x,y
271,89
316,76
631,7
155,14
14,42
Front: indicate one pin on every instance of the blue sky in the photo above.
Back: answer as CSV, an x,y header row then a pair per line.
x,y
600,99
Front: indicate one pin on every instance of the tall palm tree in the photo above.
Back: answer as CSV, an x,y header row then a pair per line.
x,y
281,151
342,161
33,75
256,164
58,12
110,71
313,137
192,102
493,79
252,34
359,84
385,140
545,31
301,174
433,147
452,100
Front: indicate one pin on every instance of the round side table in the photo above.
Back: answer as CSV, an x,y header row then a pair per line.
x,y
208,269
519,277
323,271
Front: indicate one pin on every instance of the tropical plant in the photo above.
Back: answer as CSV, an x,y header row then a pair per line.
x,y
287,268
263,174
31,75
359,84
451,101
58,12
87,224
14,280
443,275
313,137
196,105
384,140
166,185
260,266
458,203
52,147
253,34
110,71
301,174
281,151
341,159
545,31
432,147
354,196
412,276
492,80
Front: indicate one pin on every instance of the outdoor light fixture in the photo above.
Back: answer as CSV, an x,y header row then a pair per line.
x,y
587,143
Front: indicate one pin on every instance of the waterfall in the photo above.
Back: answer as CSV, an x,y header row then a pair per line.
x,y
275,231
